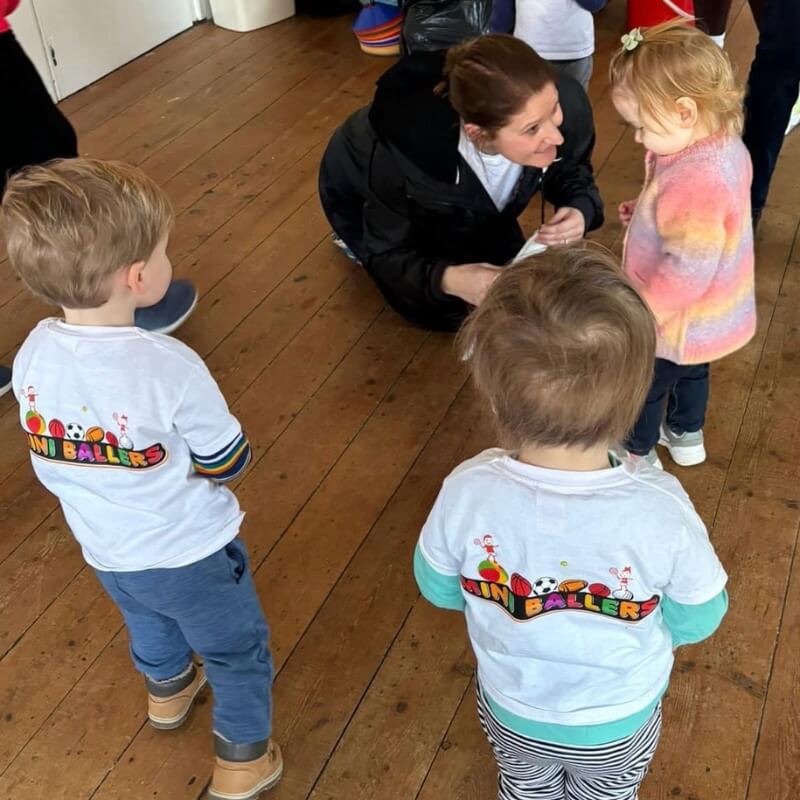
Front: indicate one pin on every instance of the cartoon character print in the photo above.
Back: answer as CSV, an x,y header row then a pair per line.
x,y
122,424
625,578
34,421
490,568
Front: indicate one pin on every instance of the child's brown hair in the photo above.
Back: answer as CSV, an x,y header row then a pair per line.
x,y
71,224
662,64
563,348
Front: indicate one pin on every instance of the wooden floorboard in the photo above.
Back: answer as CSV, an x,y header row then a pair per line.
x,y
355,417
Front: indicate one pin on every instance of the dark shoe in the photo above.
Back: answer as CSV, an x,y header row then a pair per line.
x,y
239,779
169,702
5,380
171,311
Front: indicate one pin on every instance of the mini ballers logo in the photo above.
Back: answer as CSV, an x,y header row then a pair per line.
x,y
524,600
92,446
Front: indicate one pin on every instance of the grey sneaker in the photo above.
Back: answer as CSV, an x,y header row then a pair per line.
x,y
686,449
651,459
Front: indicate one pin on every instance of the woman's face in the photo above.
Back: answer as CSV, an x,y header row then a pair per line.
x,y
531,136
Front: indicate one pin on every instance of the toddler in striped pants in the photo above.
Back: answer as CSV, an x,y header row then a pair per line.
x,y
578,573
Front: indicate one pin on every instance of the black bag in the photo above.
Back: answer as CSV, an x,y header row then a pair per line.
x,y
327,8
439,24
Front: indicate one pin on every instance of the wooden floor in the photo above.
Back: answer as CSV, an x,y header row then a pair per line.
x,y
355,417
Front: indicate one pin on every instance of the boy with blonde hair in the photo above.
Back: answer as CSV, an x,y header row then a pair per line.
x,y
131,433
577,574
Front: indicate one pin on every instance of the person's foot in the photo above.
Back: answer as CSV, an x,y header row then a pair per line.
x,y
686,449
171,311
242,772
169,702
5,380
345,248
651,458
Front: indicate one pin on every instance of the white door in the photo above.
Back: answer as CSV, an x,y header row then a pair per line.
x,y
86,39
26,29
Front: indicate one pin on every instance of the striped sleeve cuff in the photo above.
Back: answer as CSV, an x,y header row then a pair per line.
x,y
227,463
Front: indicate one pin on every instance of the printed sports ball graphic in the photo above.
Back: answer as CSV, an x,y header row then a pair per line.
x,y
56,428
34,421
95,434
519,585
492,571
572,585
544,586
74,431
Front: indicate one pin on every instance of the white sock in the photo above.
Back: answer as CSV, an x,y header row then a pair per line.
x,y
719,39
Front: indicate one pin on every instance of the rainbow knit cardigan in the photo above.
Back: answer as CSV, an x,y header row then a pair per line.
x,y
689,249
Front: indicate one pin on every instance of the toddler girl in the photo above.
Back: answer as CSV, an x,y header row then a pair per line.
x,y
689,246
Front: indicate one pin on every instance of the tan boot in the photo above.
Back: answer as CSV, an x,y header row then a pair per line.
x,y
245,780
169,702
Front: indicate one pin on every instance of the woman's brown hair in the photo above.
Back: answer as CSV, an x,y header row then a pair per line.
x,y
490,79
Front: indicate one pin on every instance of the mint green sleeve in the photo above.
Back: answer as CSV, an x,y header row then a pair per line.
x,y
690,624
443,591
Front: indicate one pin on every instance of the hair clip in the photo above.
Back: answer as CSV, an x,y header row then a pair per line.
x,y
632,39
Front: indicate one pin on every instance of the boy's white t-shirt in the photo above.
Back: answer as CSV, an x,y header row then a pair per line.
x,y
558,30
112,416
563,575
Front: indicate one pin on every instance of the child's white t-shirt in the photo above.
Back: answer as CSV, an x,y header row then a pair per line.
x,y
563,575
558,30
112,417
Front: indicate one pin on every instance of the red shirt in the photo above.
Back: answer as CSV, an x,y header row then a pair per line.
x,y
6,7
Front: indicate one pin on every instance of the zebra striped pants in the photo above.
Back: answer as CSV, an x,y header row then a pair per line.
x,y
528,769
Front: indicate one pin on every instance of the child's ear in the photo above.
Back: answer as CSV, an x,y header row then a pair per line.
x,y
686,109
134,277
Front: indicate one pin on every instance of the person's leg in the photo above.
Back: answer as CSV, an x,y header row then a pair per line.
x,y
688,400
158,649
34,129
712,17
579,68
771,92
222,620
645,433
5,380
613,771
37,132
682,432
524,770
214,604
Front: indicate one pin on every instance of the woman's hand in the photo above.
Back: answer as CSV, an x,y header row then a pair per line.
x,y
565,226
626,210
470,282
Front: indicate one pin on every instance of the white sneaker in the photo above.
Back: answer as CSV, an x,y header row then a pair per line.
x,y
686,449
